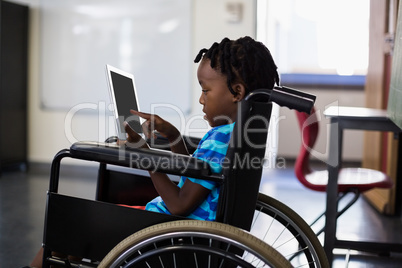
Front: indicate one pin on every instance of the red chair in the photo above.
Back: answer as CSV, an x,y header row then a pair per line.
x,y
350,180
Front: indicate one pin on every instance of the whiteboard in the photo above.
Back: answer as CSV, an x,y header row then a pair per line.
x,y
149,38
394,107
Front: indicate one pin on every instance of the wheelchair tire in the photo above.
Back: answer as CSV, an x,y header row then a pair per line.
x,y
283,229
192,243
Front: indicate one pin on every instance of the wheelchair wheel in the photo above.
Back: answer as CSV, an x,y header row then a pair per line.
x,y
192,243
283,229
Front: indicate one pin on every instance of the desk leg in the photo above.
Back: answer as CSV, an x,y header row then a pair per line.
x,y
334,160
398,194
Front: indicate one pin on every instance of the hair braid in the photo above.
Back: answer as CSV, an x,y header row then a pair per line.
x,y
243,60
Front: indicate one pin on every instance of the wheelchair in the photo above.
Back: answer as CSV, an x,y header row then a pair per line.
x,y
250,230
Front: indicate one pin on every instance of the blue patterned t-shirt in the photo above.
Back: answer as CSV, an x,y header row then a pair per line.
x,y
211,149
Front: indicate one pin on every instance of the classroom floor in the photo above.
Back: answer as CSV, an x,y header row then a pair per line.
x,y
23,199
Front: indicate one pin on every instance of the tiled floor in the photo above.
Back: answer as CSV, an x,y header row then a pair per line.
x,y
22,208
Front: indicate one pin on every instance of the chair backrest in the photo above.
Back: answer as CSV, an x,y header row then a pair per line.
x,y
242,169
308,125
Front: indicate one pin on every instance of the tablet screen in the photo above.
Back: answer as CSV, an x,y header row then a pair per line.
x,y
124,98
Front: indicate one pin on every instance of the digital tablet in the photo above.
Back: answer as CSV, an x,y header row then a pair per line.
x,y
123,95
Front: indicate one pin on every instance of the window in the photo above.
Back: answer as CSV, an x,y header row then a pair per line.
x,y
318,42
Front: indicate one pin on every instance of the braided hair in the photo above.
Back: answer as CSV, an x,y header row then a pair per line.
x,y
243,60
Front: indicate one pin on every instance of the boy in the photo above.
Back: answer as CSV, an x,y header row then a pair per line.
x,y
227,72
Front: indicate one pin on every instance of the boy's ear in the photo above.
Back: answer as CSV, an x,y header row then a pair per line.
x,y
240,92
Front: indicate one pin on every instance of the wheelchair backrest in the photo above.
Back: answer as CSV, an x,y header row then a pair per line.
x,y
242,168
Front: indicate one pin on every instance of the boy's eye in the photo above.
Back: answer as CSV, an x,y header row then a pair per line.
x,y
204,91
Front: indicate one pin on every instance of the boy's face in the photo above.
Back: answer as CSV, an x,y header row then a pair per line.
x,y
220,105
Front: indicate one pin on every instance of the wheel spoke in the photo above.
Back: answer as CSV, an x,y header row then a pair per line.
x,y
288,233
208,244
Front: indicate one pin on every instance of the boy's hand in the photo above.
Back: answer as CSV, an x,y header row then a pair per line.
x,y
134,140
155,123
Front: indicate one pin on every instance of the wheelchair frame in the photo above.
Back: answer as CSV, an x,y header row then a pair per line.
x,y
89,229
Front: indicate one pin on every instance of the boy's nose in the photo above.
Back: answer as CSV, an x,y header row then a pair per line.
x,y
201,100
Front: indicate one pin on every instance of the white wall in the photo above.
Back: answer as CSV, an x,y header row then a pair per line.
x,y
289,134
52,130
212,23
48,133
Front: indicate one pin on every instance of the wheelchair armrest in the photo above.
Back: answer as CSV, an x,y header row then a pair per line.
x,y
146,159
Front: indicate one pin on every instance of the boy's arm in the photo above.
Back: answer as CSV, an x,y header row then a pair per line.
x,y
177,144
180,201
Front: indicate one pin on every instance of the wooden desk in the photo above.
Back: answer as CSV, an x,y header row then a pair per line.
x,y
359,119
